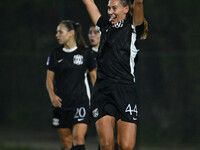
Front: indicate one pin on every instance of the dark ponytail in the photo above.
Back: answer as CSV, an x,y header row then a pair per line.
x,y
78,36
71,25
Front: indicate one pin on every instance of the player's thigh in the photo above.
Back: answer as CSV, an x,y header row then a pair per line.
x,y
105,128
126,134
80,129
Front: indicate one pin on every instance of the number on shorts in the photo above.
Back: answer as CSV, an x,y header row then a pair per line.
x,y
80,112
130,110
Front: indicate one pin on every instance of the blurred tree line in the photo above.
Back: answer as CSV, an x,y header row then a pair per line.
x,y
168,70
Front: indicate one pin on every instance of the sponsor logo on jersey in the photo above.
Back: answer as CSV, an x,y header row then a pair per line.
x,y
55,121
78,59
95,112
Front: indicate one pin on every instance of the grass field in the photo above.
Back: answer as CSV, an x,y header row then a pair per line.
x,y
48,140
3,147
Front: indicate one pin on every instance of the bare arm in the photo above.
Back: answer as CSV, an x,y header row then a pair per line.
x,y
93,75
138,13
55,100
92,10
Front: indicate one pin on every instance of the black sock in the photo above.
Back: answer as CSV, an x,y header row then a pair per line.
x,y
78,147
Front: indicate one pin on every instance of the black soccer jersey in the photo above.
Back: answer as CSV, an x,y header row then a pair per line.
x,y
70,68
94,53
118,50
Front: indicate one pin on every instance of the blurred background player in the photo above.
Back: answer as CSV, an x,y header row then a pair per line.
x,y
94,39
67,85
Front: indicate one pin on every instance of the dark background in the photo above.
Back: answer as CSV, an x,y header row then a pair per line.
x,y
168,73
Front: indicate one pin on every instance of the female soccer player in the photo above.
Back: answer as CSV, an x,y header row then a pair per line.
x,y
94,39
67,67
114,97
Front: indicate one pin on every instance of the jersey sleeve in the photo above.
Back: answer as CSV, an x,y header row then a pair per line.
x,y
140,30
102,22
50,65
90,61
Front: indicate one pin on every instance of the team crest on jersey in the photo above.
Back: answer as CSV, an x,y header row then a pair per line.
x,y
95,112
78,59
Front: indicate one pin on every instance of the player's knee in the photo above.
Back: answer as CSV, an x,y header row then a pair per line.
x,y
78,140
126,145
66,142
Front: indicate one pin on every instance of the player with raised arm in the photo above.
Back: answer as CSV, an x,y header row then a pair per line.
x,y
114,99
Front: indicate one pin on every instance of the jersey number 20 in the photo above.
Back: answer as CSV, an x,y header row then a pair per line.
x,y
80,112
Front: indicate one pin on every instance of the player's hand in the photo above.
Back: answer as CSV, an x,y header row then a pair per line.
x,y
56,101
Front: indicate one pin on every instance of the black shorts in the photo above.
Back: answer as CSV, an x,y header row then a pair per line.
x,y
68,118
114,99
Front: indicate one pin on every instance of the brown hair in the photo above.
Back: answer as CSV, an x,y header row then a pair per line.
x,y
71,25
144,36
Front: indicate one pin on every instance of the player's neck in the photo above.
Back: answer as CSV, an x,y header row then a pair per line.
x,y
70,44
96,46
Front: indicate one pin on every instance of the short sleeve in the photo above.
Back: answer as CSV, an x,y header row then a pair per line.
x,y
50,65
102,22
90,61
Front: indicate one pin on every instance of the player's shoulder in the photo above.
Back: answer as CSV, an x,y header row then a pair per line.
x,y
89,49
103,22
88,52
82,50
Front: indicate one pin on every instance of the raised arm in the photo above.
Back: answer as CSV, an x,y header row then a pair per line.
x,y
92,10
138,13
